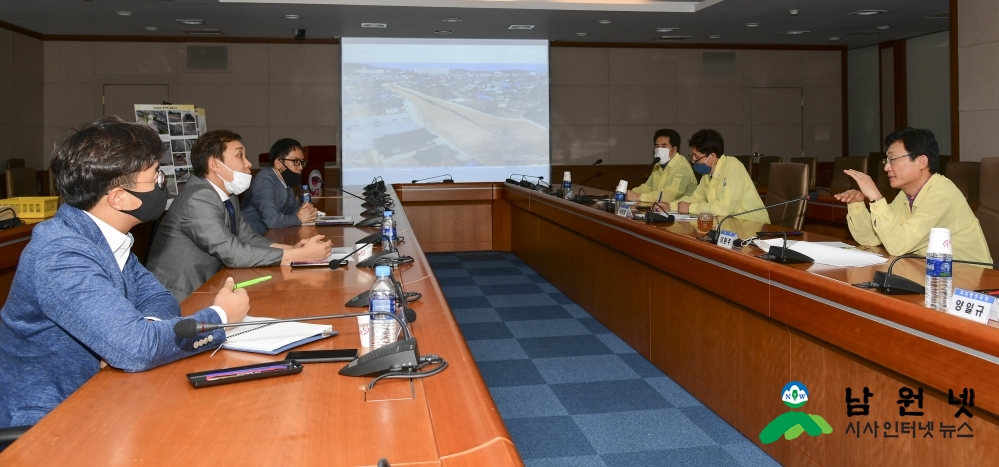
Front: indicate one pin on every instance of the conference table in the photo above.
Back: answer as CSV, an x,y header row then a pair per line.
x,y
729,327
733,329
316,417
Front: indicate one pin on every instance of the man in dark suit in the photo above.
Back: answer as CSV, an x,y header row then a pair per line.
x,y
204,229
271,203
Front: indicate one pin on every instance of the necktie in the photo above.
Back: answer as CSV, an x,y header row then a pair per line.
x,y
232,215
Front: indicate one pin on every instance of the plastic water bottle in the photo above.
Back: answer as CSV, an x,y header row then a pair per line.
x,y
306,195
382,297
939,269
619,197
388,231
567,185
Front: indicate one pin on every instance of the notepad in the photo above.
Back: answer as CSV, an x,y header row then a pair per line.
x,y
273,338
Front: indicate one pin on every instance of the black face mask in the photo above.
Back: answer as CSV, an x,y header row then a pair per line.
x,y
153,204
291,178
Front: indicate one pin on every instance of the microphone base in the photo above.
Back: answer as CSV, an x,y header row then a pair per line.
x,y
897,285
370,261
370,222
450,180
786,256
397,357
583,199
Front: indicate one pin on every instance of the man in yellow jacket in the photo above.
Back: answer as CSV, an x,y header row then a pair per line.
x,y
672,178
930,200
725,188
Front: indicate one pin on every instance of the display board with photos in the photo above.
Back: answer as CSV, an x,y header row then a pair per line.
x,y
179,127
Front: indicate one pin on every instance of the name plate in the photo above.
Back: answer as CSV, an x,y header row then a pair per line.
x,y
975,306
727,239
624,211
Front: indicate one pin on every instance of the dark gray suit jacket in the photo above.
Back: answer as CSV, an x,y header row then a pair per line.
x,y
268,204
194,241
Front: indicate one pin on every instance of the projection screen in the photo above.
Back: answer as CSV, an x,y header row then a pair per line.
x,y
417,108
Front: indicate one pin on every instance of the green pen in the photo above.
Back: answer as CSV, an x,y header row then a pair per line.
x,y
251,282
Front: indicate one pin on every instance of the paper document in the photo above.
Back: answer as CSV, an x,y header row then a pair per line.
x,y
340,254
824,254
273,338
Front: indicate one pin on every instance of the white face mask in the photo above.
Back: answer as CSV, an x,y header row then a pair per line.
x,y
663,155
240,181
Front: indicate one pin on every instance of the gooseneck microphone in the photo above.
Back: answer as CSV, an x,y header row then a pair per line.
x,y
783,255
341,190
336,263
188,328
643,169
449,179
400,359
890,284
714,233
598,162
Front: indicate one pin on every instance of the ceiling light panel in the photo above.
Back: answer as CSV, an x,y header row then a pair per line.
x,y
374,25
521,26
868,12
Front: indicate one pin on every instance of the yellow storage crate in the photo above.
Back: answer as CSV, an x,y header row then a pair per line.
x,y
33,207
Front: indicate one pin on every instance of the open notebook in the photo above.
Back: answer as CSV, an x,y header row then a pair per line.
x,y
273,338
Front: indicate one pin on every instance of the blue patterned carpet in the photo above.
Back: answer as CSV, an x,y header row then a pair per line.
x,y
570,392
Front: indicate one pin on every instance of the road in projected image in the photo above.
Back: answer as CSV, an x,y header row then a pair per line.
x,y
445,115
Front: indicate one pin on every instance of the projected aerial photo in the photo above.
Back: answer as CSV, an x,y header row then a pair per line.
x,y
424,112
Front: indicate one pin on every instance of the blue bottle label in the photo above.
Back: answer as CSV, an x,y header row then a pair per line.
x,y
566,185
938,267
382,304
619,196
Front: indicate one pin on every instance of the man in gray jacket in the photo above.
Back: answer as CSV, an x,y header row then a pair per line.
x,y
271,203
204,229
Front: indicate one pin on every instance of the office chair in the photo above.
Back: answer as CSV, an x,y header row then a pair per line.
x,y
841,181
788,181
965,176
21,181
812,164
988,201
763,178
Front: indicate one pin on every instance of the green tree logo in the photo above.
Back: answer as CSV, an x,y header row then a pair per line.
x,y
792,424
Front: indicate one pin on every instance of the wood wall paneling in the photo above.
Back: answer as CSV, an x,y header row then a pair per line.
x,y
827,372
615,290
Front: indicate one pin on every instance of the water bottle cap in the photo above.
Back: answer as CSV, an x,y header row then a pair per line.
x,y
383,271
387,213
939,241
622,186
567,176
305,187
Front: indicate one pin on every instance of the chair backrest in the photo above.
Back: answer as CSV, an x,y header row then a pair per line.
x,y
812,164
787,181
748,162
988,201
944,165
965,176
21,181
763,178
841,181
15,163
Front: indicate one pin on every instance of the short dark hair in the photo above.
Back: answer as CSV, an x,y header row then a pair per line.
x,y
707,141
100,156
674,137
211,144
917,142
282,147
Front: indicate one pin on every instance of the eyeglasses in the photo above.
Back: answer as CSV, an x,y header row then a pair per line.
x,y
887,160
698,159
160,179
297,162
